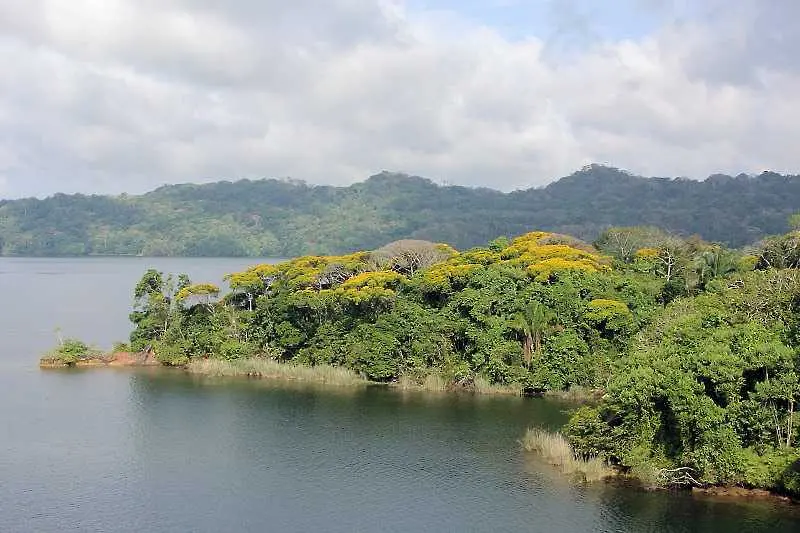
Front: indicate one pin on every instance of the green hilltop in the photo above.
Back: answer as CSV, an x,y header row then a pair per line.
x,y
289,218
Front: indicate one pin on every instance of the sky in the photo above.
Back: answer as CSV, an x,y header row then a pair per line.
x,y
111,96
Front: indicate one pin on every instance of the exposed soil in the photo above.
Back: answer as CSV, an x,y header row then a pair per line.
x,y
132,359
740,492
117,359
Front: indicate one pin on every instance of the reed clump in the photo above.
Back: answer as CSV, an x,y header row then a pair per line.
x,y
436,382
482,385
432,382
271,369
557,451
577,394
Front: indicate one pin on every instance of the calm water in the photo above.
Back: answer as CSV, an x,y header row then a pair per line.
x,y
121,450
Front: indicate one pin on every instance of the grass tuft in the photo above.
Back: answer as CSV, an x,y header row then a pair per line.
x,y
270,369
482,385
436,382
577,394
557,451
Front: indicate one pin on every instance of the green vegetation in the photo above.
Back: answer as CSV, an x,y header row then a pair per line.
x,y
271,369
556,450
71,352
289,218
689,349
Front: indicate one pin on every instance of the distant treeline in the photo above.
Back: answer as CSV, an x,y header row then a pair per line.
x,y
290,218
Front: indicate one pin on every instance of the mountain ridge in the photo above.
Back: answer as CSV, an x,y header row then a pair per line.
x,y
285,217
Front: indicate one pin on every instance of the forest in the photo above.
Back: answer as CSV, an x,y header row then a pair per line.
x,y
286,218
691,348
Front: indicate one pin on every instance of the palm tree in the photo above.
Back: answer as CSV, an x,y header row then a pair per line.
x,y
714,263
533,321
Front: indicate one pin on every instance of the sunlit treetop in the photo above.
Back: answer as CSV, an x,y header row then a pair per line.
x,y
255,277
444,277
309,271
540,254
523,243
477,256
365,294
544,270
204,291
438,266
646,253
381,279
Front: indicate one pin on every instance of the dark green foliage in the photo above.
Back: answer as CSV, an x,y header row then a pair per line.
x,y
710,385
289,218
694,351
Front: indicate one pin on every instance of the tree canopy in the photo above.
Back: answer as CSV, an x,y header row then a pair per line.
x,y
277,218
695,347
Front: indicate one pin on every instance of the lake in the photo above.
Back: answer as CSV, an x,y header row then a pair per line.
x,y
156,450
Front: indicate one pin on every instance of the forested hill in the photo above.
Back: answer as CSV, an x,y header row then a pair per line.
x,y
289,218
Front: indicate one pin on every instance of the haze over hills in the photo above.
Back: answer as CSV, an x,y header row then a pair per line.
x,y
288,218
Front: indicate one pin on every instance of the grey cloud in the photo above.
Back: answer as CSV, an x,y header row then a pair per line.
x,y
127,95
748,38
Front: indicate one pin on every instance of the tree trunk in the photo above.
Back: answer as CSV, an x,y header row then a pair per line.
x,y
527,349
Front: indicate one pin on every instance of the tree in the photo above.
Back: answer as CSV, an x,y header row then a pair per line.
x,y
780,252
153,309
198,294
794,222
623,242
714,262
408,256
532,322
672,258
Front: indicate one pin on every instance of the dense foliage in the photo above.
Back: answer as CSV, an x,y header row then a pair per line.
x,y
694,345
289,218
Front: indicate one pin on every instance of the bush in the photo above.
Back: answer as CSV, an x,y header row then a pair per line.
x,y
232,349
71,350
374,353
121,347
775,469
172,353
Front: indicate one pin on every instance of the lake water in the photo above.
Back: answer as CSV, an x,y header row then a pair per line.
x,y
124,450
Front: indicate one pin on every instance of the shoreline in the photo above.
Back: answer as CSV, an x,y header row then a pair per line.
x,y
111,359
555,450
269,369
336,376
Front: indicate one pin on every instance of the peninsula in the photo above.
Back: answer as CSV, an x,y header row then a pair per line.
x,y
693,345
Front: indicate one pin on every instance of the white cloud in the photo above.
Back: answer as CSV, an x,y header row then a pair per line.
x,y
113,95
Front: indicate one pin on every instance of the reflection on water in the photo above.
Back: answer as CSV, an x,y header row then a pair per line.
x,y
157,450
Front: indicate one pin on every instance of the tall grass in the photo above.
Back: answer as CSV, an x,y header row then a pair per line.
x,y
270,369
261,367
557,451
484,386
436,382
577,394
433,382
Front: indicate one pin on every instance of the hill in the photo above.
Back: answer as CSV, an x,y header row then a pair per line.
x,y
289,218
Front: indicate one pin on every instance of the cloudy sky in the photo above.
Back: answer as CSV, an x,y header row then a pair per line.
x,y
126,95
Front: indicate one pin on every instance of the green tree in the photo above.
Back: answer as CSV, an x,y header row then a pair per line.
x,y
533,321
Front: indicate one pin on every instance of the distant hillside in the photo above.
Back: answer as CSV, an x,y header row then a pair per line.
x,y
288,218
